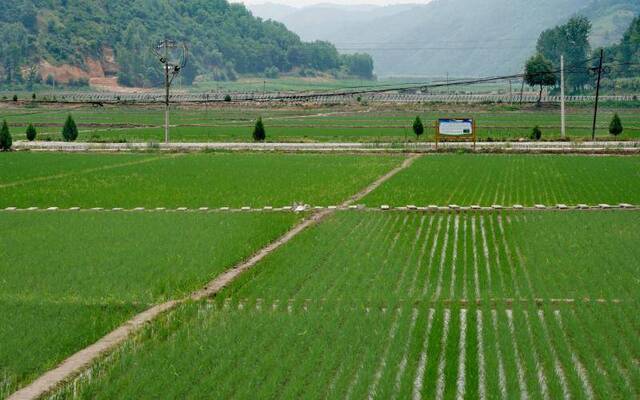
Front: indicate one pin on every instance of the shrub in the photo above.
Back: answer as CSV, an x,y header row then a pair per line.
x,y
33,96
5,137
227,98
31,133
272,73
70,130
259,133
615,127
418,127
536,133
15,97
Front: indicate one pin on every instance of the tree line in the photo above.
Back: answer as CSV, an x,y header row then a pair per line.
x,y
572,41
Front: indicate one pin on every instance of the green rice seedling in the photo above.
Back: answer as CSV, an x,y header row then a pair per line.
x,y
512,179
106,267
197,180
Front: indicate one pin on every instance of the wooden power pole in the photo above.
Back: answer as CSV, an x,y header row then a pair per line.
x,y
595,109
563,131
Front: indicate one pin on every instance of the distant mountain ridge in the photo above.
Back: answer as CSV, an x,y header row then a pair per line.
x,y
459,37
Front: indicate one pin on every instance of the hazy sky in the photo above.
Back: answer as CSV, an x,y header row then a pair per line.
x,y
346,2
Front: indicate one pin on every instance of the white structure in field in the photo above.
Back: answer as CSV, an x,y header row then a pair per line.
x,y
455,127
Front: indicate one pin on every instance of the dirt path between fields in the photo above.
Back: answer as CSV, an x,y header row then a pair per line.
x,y
84,358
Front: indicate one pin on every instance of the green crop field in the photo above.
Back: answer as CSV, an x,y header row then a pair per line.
x,y
69,278
364,303
313,123
179,180
513,179
391,313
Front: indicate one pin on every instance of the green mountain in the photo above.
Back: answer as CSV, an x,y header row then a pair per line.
x,y
81,39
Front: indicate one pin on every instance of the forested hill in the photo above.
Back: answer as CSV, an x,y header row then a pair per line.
x,y
115,36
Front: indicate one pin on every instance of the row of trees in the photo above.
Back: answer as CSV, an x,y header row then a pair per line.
x,y
259,134
69,133
572,41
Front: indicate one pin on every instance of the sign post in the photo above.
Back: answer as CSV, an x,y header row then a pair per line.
x,y
456,130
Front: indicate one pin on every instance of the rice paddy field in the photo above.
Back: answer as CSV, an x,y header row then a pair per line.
x,y
309,123
513,179
184,180
69,279
363,303
411,306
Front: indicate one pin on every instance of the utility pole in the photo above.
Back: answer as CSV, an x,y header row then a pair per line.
x,y
171,70
448,90
563,131
510,92
522,89
595,110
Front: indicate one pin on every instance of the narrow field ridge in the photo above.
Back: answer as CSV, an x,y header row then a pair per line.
x,y
482,372
405,354
82,359
418,382
443,355
615,147
310,305
462,346
577,364
433,209
502,379
524,393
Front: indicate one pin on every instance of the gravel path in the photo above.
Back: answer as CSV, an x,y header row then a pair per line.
x,y
425,147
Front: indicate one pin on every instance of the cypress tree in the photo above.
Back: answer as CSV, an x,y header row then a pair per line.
x,y
418,127
70,130
31,133
615,128
536,133
259,133
5,137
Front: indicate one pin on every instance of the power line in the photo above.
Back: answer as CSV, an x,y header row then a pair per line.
x,y
430,85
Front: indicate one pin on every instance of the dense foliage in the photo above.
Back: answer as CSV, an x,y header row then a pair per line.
x,y
224,39
572,41
5,137
539,72
626,55
418,127
536,133
259,133
31,133
615,127
70,130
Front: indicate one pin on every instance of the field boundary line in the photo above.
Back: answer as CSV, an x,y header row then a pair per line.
x,y
84,358
343,207
81,172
